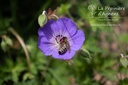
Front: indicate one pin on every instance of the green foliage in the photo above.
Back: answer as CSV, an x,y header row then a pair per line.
x,y
5,42
64,8
123,37
97,63
124,61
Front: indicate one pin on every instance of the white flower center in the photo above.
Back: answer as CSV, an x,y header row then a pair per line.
x,y
63,44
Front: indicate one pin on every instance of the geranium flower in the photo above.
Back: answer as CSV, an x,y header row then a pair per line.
x,y
60,38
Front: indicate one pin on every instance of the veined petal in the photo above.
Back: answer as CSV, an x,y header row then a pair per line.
x,y
45,46
46,30
56,29
67,56
77,40
49,42
67,26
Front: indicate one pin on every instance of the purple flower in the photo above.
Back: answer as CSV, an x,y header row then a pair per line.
x,y
60,38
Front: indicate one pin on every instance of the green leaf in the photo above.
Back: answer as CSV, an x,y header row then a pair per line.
x,y
28,76
85,53
42,20
3,45
56,77
33,69
40,67
63,9
8,41
14,77
124,61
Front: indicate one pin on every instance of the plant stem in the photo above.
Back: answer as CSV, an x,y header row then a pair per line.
x,y
22,44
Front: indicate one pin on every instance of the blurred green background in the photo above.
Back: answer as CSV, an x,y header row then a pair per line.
x,y
18,39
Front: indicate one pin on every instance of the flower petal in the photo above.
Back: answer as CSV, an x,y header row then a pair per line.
x,y
56,29
63,26
45,46
77,40
67,26
46,30
67,56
